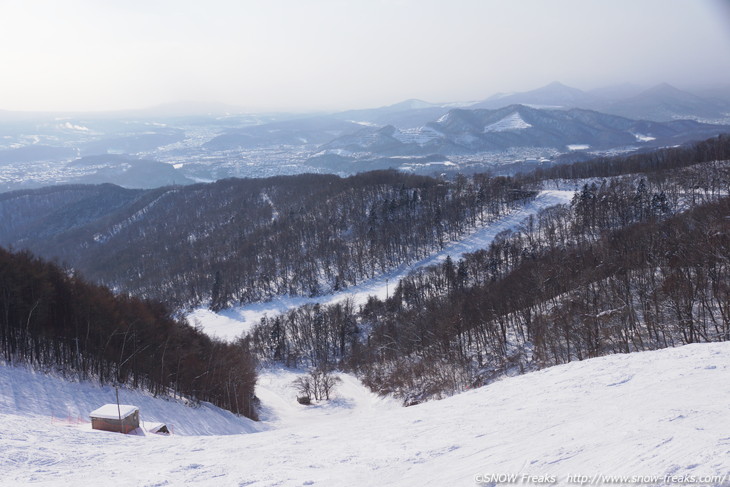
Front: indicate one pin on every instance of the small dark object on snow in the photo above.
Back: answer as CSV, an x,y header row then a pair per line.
x,y
158,429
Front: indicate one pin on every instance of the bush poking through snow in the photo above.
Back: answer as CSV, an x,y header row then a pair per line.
x,y
318,384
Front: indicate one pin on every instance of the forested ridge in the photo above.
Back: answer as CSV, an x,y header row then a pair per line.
x,y
246,240
53,320
656,161
636,262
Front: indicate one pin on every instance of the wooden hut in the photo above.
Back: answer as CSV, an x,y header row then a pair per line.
x,y
120,418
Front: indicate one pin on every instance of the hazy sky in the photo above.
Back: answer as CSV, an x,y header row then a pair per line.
x,y
336,54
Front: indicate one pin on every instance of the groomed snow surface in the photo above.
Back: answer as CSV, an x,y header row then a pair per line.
x,y
661,417
231,323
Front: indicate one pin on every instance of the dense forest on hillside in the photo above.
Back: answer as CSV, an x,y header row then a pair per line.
x,y
246,240
639,260
636,262
55,321
658,161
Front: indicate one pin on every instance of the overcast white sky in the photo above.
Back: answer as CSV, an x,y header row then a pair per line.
x,y
337,54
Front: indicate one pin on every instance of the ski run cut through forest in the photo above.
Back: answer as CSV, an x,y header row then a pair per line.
x,y
570,326
650,418
231,323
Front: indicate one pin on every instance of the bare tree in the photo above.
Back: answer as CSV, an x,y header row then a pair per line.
x,y
318,384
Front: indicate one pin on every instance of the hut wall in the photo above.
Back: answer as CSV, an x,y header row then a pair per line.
x,y
126,425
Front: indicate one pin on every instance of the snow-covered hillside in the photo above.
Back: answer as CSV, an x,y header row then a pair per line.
x,y
53,400
513,121
659,416
231,323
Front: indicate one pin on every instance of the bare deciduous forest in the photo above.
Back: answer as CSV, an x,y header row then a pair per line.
x,y
639,260
635,262
55,321
246,240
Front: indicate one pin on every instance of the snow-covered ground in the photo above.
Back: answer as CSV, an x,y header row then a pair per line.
x,y
232,323
661,417
574,147
280,409
56,401
512,121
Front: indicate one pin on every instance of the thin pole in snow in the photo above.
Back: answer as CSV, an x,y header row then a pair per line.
x,y
119,410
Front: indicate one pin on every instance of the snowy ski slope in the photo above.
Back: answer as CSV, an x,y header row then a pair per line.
x,y
660,417
56,400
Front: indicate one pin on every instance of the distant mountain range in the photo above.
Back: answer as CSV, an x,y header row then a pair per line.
x,y
407,114
312,130
180,144
665,102
464,131
554,95
660,103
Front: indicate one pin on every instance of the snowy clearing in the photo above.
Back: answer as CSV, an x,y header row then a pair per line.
x,y
660,416
644,138
231,323
280,409
513,121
